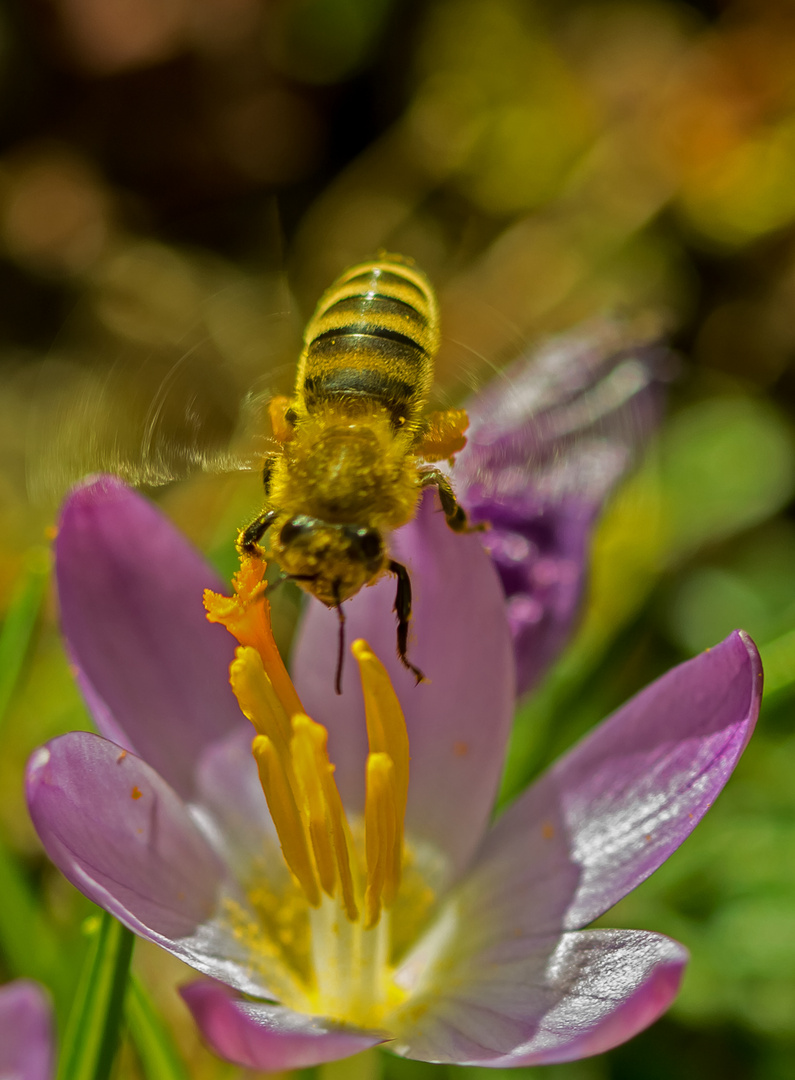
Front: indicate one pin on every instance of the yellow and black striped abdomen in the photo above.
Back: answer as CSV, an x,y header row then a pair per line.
x,y
371,342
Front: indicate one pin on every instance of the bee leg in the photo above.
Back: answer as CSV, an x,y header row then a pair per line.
x,y
442,435
340,639
249,538
267,472
402,609
282,418
453,511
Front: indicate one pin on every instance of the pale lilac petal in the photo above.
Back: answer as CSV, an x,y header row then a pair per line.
x,y
153,671
26,1032
547,441
614,808
119,832
458,722
123,837
537,1001
230,804
270,1037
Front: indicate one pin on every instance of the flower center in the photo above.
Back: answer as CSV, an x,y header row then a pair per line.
x,y
323,936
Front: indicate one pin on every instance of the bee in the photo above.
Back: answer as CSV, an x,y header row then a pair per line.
x,y
355,442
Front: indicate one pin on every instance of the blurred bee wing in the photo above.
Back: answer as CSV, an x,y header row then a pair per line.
x,y
548,440
152,375
122,421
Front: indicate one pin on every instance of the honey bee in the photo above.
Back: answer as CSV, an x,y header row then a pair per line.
x,y
355,440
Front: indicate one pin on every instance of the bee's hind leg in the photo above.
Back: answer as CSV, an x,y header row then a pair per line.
x,y
248,539
453,511
402,609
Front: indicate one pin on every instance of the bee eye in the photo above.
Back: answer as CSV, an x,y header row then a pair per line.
x,y
366,544
371,544
297,526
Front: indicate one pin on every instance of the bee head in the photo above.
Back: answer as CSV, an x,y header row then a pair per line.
x,y
330,561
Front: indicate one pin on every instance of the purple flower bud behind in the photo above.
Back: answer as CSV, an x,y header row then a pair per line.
x,y
548,440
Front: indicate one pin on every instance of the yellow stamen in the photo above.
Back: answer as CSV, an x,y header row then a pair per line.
x,y
386,728
258,700
280,795
381,834
388,738
246,615
328,827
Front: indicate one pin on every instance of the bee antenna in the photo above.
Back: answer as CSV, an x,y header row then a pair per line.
x,y
341,647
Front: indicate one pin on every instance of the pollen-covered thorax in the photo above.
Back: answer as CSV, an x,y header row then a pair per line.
x,y
324,926
347,468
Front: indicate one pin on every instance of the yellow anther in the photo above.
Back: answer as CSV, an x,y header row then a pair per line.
x,y
296,774
309,766
387,735
381,830
246,615
258,700
329,827
286,816
386,728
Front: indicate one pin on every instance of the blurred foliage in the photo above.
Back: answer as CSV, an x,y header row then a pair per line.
x,y
179,182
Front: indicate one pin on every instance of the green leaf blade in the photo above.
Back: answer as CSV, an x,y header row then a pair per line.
x,y
92,1033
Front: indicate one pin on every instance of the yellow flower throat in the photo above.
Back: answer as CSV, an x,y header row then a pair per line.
x,y
341,886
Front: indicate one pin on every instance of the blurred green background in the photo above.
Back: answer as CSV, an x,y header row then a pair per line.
x,y
180,179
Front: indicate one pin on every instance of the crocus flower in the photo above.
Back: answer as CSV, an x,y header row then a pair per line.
x,y
548,439
406,916
26,1032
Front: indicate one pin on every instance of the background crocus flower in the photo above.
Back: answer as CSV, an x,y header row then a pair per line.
x,y
548,440
26,1032
499,971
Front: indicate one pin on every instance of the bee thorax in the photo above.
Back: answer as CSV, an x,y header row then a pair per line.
x,y
348,475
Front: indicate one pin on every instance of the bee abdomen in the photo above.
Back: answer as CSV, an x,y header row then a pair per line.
x,y
372,338
359,388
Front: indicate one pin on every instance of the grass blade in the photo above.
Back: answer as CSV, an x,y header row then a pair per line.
x,y
92,1033
19,623
151,1039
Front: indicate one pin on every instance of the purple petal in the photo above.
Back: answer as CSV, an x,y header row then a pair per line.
x,y
121,834
615,807
547,442
153,671
230,803
123,837
26,1032
458,722
270,1037
537,1001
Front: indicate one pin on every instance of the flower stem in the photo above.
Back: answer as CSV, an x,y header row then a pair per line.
x,y
92,1032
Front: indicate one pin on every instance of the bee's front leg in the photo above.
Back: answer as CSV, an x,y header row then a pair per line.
x,y
248,539
453,511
